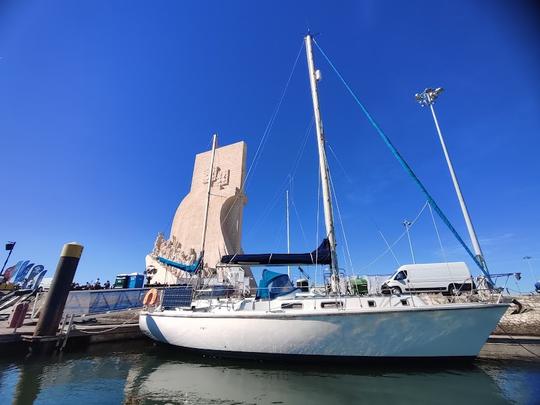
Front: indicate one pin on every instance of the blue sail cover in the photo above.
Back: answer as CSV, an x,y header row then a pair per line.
x,y
190,268
274,284
321,255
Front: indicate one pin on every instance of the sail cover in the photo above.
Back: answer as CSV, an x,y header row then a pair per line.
x,y
190,268
321,255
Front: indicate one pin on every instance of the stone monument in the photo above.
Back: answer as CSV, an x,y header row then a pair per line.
x,y
224,228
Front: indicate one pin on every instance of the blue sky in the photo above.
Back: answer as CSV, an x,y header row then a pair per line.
x,y
104,104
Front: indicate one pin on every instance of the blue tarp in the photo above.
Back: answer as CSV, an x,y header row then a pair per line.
x,y
190,268
274,284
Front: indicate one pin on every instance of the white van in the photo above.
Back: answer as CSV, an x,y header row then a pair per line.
x,y
430,277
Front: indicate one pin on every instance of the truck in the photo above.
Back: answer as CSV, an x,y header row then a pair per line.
x,y
447,278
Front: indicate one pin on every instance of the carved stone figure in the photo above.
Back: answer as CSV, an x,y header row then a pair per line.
x,y
158,244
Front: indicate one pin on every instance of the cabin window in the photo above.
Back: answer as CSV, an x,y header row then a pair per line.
x,y
371,303
291,305
332,304
404,303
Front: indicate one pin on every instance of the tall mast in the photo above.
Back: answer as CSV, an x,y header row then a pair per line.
x,y
205,223
323,165
288,232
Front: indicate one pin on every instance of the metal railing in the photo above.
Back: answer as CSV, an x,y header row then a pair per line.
x,y
90,302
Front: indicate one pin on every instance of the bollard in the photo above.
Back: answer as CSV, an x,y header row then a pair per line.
x,y
56,298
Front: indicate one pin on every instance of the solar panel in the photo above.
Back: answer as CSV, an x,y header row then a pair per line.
x,y
177,297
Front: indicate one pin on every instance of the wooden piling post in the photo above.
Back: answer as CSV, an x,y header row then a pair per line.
x,y
52,311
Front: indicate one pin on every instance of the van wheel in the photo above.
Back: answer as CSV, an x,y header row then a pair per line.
x,y
452,290
396,291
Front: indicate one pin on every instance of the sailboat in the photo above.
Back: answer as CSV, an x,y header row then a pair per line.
x,y
285,322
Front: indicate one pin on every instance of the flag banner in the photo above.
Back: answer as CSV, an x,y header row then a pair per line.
x,y
21,275
10,271
20,266
34,285
33,273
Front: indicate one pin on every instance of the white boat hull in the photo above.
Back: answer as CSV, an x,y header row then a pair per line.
x,y
427,332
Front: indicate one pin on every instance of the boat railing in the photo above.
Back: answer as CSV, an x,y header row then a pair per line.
x,y
481,291
228,297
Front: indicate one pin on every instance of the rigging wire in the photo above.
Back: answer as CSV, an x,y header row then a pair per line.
x,y
269,207
443,252
407,168
287,180
280,230
339,163
302,148
341,222
292,173
270,123
350,181
389,248
265,135
300,223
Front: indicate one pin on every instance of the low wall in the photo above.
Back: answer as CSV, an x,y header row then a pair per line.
x,y
526,323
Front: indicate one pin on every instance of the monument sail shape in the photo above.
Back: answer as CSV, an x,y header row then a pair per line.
x,y
213,208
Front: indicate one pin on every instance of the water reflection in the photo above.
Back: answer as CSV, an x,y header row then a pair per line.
x,y
144,374
174,379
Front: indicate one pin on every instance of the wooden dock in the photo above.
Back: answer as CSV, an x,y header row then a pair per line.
x,y
107,328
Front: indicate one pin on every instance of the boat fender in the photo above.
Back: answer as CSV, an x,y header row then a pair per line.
x,y
151,297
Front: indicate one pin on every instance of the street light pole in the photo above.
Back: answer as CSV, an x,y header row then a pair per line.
x,y
427,98
9,246
407,225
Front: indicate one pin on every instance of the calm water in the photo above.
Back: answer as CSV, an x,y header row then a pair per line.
x,y
141,373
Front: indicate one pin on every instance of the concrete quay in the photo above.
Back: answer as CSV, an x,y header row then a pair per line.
x,y
525,323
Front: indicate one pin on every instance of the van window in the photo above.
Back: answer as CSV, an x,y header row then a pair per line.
x,y
402,275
